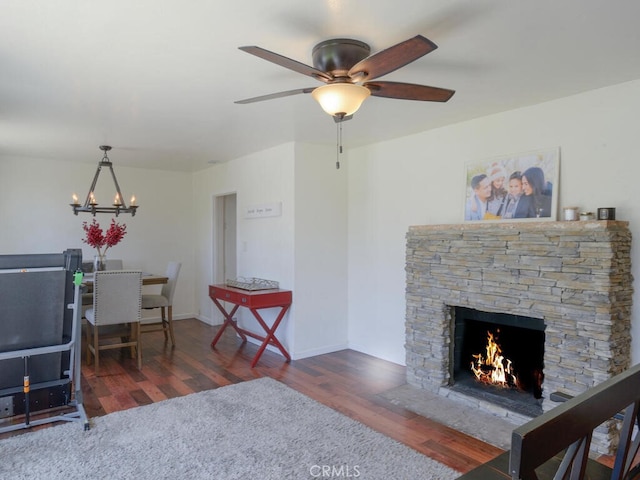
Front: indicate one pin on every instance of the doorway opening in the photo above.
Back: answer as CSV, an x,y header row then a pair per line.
x,y
224,238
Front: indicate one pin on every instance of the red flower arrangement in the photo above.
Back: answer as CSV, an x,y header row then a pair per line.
x,y
97,239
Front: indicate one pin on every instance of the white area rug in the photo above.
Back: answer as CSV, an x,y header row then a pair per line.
x,y
253,430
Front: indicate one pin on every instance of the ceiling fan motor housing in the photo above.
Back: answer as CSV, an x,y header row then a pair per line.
x,y
338,55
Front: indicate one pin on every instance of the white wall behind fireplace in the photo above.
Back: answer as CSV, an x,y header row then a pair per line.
x,y
419,180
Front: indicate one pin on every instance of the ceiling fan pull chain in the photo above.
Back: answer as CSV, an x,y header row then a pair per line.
x,y
338,144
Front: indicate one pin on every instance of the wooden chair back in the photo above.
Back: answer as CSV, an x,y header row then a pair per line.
x,y
570,426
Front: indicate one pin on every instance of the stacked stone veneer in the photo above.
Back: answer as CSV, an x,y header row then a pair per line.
x,y
576,276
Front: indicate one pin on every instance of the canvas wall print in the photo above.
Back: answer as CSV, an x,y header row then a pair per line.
x,y
515,187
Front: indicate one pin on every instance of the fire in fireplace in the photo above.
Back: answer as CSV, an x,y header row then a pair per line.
x,y
493,368
499,357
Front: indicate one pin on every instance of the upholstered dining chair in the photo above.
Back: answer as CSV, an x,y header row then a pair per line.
x,y
163,301
115,314
112,264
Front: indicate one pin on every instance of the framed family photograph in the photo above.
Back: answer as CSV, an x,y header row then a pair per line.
x,y
514,187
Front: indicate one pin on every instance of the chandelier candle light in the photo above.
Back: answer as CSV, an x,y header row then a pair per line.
x,y
96,238
91,204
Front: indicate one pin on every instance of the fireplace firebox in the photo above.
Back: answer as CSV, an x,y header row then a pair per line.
x,y
499,357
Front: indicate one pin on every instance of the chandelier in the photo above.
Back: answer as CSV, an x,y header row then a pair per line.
x,y
91,204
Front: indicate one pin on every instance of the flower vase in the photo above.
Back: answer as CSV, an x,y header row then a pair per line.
x,y
99,263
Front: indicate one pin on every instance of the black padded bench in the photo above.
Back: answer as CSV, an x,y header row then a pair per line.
x,y
556,444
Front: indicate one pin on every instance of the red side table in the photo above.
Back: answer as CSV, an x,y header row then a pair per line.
x,y
254,301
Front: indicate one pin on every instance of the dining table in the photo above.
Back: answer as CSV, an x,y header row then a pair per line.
x,y
147,279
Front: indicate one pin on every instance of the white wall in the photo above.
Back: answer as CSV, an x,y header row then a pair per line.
x,y
320,293
304,249
265,245
36,217
419,180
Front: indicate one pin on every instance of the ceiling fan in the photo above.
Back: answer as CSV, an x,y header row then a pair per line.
x,y
350,72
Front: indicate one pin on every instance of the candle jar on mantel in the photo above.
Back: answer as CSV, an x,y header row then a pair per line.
x,y
570,213
99,263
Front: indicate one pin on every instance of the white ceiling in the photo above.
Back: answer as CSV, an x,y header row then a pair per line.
x,y
157,79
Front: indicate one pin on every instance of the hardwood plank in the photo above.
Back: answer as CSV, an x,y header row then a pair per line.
x,y
152,391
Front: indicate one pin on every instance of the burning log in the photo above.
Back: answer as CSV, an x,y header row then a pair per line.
x,y
494,368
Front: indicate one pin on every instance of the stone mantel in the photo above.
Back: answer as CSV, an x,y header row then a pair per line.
x,y
575,275
526,226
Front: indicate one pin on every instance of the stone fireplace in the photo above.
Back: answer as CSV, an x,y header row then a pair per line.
x,y
573,276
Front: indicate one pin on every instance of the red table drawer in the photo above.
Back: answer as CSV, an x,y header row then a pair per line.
x,y
226,295
251,299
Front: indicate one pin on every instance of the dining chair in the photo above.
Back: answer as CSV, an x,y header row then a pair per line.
x,y
113,264
163,301
115,314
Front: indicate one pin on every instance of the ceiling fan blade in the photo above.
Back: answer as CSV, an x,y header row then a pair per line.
x,y
409,91
276,95
391,59
288,63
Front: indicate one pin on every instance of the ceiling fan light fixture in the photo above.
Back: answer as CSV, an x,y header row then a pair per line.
x,y
340,99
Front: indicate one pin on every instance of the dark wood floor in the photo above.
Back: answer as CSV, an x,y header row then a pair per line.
x,y
347,381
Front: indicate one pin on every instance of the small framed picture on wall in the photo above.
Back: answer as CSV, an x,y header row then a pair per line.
x,y
514,187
